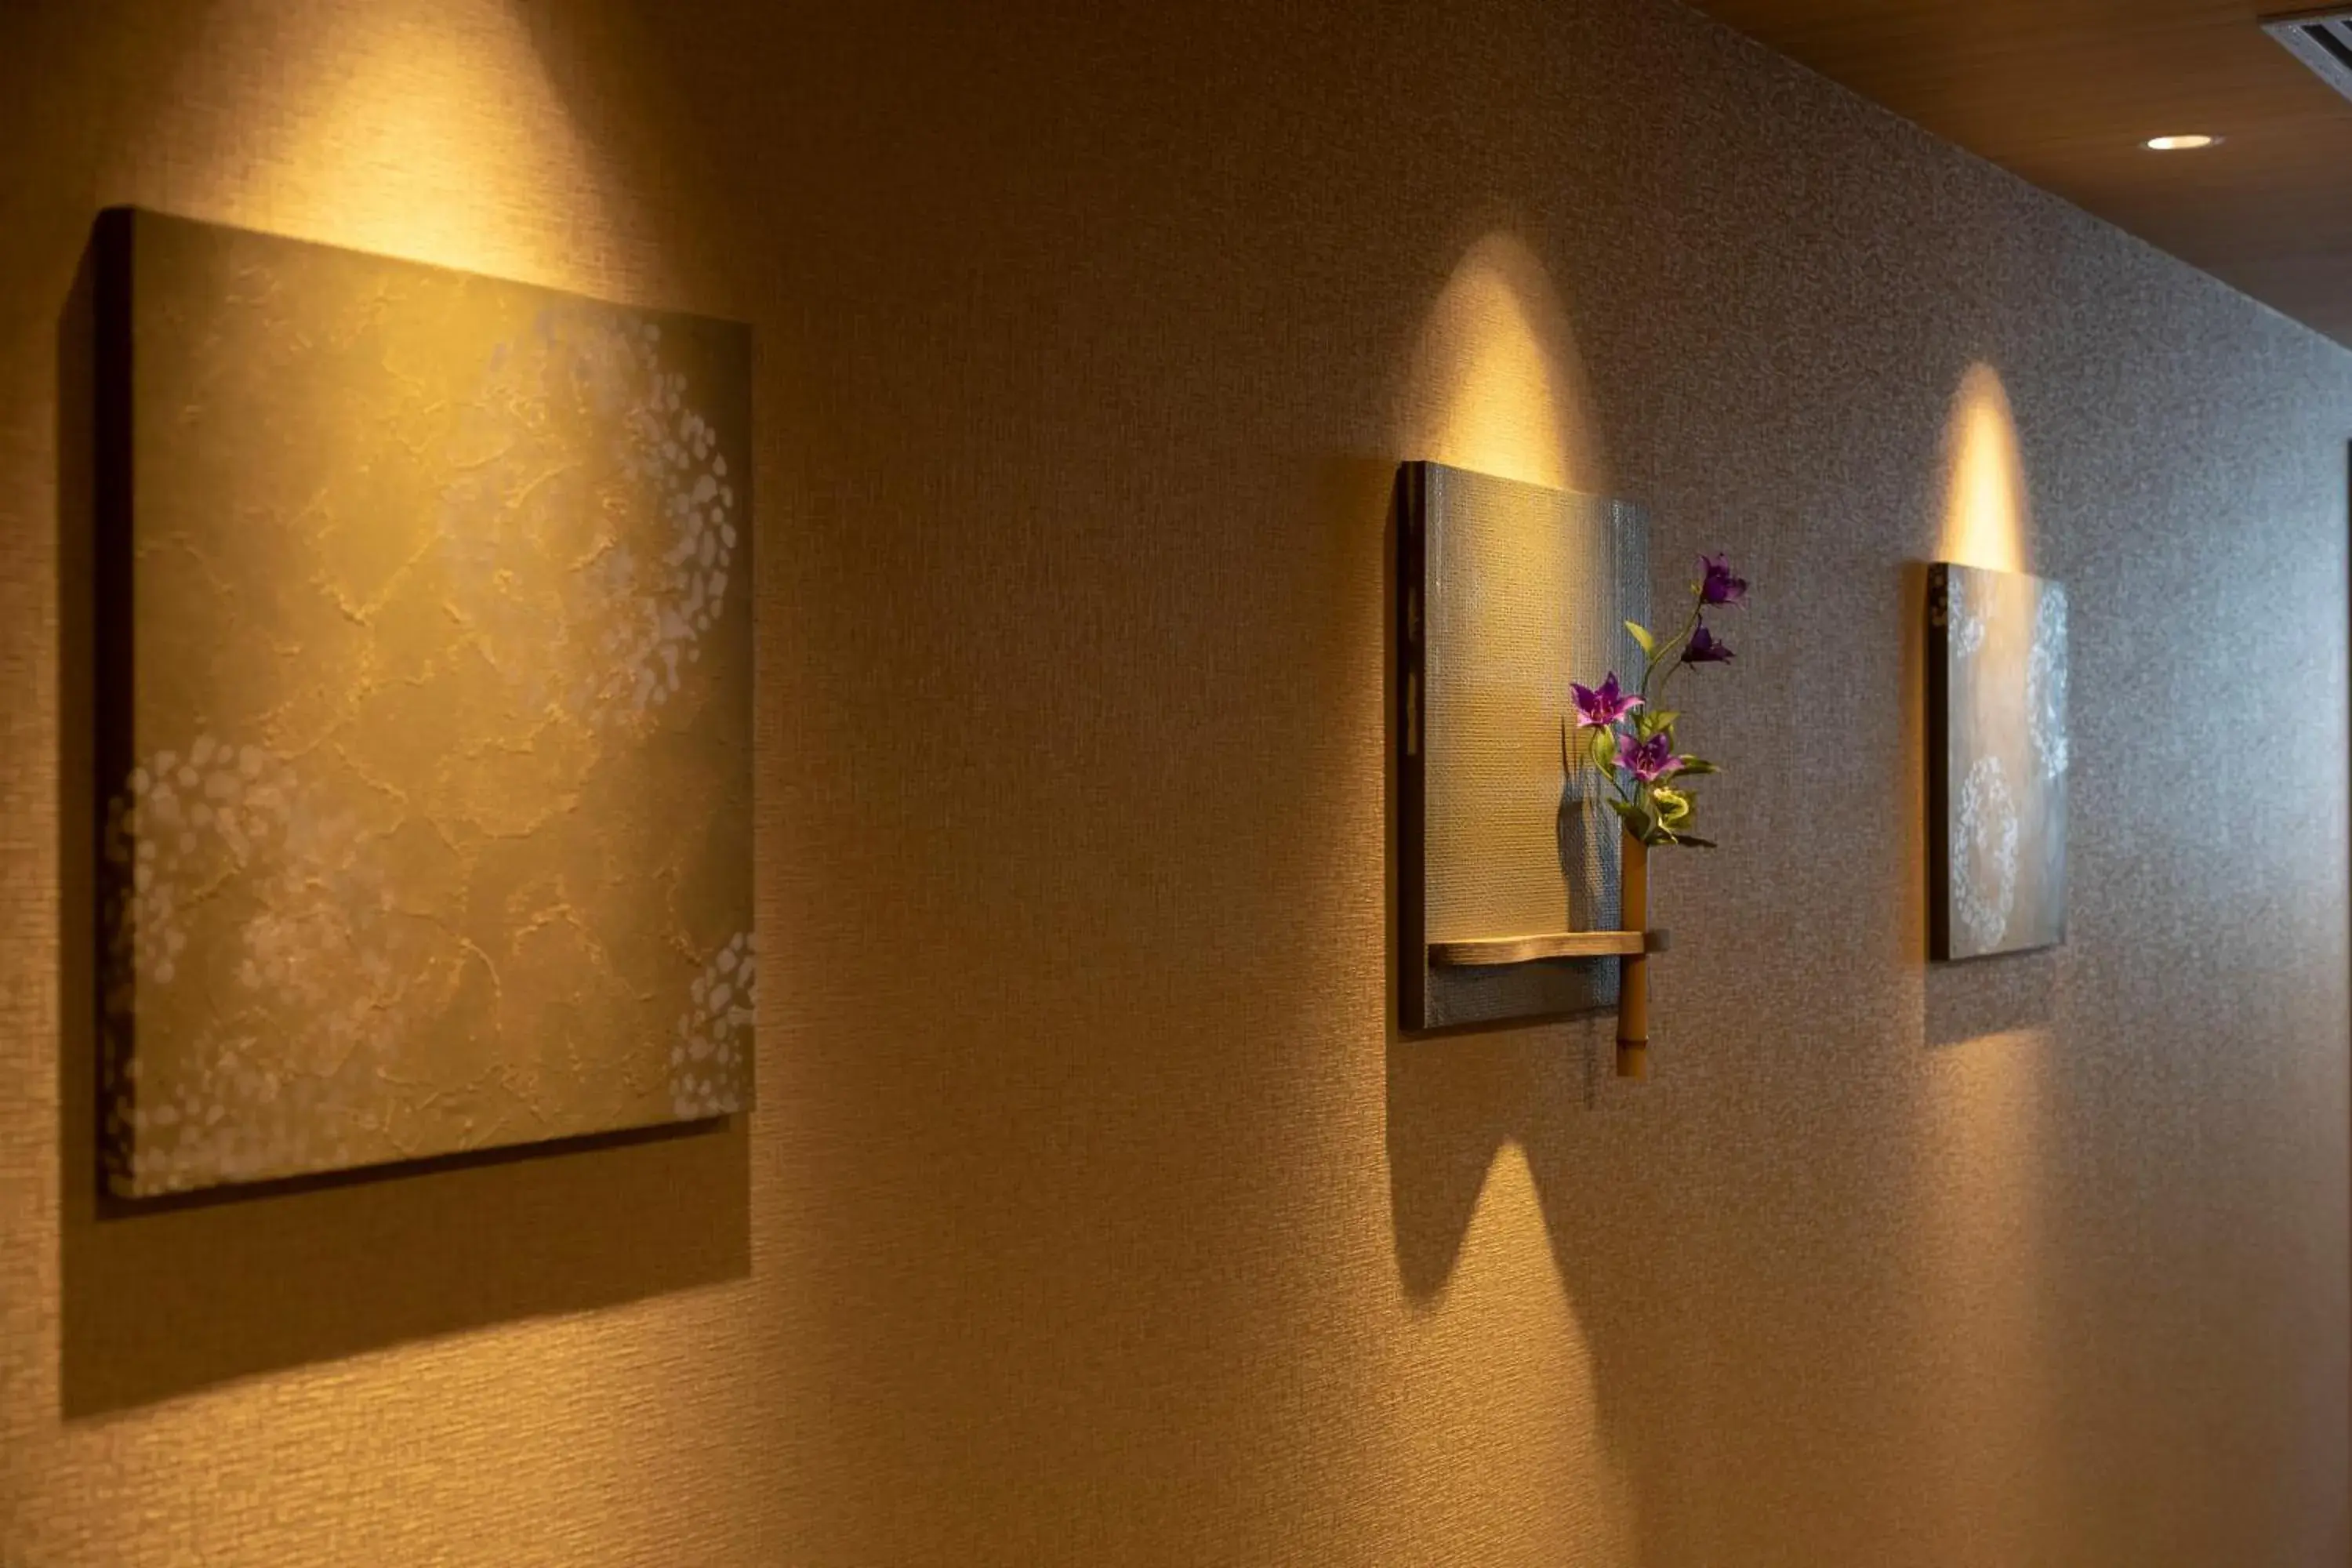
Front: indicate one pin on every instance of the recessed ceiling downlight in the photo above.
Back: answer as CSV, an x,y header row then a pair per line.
x,y
2189,144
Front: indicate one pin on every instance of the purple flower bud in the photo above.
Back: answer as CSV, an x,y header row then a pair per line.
x,y
1599,709
1717,583
1705,649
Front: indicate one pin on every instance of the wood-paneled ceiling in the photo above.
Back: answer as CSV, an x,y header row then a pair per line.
x,y
2066,92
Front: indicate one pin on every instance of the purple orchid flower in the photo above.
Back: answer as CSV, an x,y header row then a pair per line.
x,y
1705,647
1649,760
1717,583
1599,709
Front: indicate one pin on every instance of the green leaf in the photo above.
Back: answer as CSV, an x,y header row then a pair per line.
x,y
1693,767
1641,635
1603,749
1628,810
1690,841
1651,722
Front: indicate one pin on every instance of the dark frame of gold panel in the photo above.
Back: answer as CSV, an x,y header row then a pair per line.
x,y
423,711
1506,593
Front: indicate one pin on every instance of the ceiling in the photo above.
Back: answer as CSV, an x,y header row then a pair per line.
x,y
2065,92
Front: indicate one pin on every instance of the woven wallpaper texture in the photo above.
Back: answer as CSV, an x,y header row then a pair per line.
x,y
1091,1213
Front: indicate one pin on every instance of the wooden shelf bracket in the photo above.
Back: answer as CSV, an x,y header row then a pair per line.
x,y
1494,952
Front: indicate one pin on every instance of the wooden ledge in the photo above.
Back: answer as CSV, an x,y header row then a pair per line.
x,y
1493,951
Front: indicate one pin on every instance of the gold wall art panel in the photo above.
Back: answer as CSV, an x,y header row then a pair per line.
x,y
425,699
1507,592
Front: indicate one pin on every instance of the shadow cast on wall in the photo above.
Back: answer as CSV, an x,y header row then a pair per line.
x,y
1455,1105
164,1298
1987,996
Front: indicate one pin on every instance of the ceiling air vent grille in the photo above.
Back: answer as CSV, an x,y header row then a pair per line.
x,y
2322,41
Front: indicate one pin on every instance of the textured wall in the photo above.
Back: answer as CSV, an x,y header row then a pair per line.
x,y
1091,1214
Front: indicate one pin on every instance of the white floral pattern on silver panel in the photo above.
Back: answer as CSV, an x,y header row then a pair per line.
x,y
1969,621
2045,685
1984,854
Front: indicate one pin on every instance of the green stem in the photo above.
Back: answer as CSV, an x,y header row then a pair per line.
x,y
1666,647
1669,680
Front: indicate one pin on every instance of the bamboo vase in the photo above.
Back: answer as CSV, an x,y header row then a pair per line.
x,y
1633,977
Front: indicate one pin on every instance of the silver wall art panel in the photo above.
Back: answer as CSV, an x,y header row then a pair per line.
x,y
1997,760
1506,593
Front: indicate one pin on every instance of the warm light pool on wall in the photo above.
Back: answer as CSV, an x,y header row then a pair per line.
x,y
2193,143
